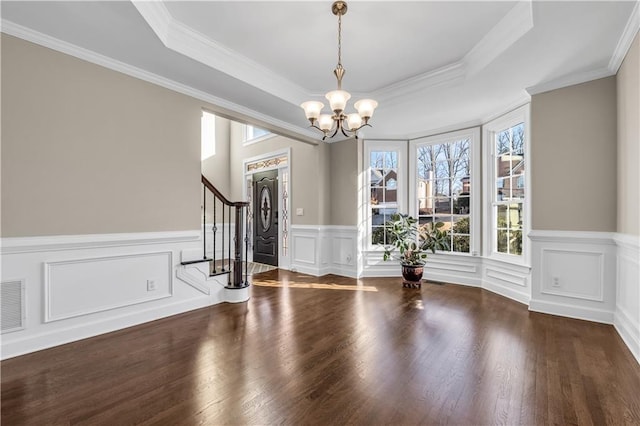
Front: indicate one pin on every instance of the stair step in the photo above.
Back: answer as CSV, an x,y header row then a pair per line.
x,y
215,274
191,262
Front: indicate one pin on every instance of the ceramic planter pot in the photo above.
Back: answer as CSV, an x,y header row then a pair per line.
x,y
412,276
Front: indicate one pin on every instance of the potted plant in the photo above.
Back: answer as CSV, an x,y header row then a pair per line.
x,y
412,241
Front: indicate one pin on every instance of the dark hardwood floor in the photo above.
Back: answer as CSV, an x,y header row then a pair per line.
x,y
332,351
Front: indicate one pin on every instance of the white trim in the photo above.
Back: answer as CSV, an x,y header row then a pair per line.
x,y
569,80
30,258
259,139
629,242
599,297
181,38
515,24
585,264
16,245
507,291
626,39
604,316
449,75
8,27
627,309
584,237
48,281
324,249
47,339
628,331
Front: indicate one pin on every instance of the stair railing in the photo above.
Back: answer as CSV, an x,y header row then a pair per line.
x,y
232,211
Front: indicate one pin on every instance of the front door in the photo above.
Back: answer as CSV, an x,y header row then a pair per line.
x,y
265,214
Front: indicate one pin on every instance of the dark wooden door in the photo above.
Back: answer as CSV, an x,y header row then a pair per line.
x,y
265,214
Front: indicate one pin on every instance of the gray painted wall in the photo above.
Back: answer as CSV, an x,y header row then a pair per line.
x,y
573,152
87,150
628,89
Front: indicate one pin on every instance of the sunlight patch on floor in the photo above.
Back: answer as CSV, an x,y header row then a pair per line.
x,y
289,284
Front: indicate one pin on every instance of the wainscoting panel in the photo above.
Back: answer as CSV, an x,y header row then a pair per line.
x,y
304,249
627,311
507,279
574,274
86,286
80,286
321,250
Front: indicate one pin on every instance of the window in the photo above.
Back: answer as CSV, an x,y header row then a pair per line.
x,y
384,189
509,189
506,178
444,170
207,135
255,134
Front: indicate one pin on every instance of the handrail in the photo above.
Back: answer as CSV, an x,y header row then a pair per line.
x,y
242,225
222,198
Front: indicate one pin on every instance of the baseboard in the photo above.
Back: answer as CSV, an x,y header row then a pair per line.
x,y
571,311
507,292
628,331
37,342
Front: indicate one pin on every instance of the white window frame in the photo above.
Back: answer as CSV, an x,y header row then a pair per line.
x,y
400,147
247,135
475,223
519,115
207,118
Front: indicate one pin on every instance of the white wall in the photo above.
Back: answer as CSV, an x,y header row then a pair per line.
x,y
85,285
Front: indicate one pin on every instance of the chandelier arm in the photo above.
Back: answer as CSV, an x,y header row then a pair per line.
x,y
338,127
364,125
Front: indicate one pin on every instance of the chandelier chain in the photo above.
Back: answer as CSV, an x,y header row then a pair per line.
x,y
340,39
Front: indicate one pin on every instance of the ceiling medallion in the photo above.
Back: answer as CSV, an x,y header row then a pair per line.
x,y
348,124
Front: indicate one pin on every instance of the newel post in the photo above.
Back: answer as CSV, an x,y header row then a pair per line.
x,y
237,263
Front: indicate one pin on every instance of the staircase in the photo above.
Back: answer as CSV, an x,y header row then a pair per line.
x,y
225,241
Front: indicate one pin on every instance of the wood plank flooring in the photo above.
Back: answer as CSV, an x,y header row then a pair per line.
x,y
331,351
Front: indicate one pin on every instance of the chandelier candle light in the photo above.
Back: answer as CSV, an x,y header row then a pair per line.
x,y
348,124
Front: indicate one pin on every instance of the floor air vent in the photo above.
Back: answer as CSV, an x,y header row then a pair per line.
x,y
11,306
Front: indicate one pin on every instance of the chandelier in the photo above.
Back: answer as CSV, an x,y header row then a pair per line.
x,y
348,124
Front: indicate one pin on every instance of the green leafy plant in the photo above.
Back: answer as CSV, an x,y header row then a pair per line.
x,y
412,240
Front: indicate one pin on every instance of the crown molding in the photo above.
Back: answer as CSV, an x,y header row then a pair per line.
x,y
569,80
177,36
225,107
626,39
449,75
516,23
